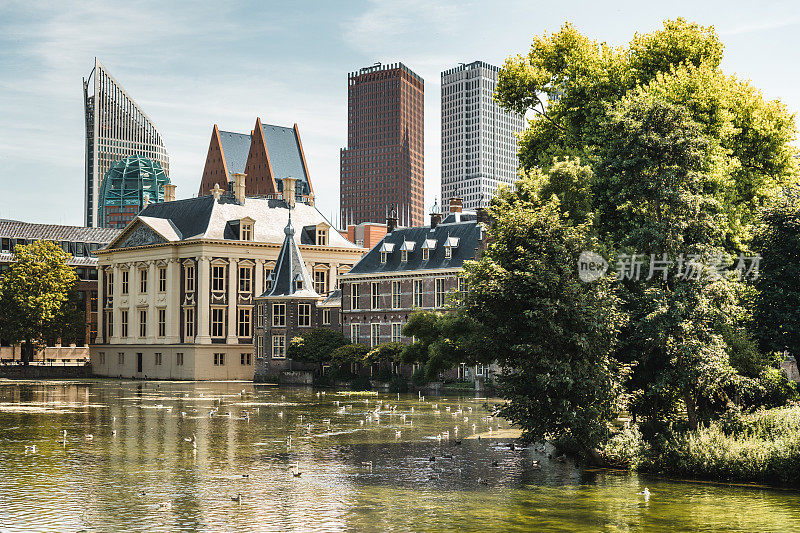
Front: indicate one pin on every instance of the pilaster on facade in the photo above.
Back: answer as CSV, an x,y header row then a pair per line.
x,y
233,298
173,301
203,300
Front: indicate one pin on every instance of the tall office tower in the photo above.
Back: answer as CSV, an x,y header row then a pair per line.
x,y
383,165
479,145
115,128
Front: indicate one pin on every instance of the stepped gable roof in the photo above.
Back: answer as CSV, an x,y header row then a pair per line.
x,y
467,234
207,218
235,149
285,156
290,277
16,229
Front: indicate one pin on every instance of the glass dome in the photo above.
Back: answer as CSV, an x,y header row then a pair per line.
x,y
125,186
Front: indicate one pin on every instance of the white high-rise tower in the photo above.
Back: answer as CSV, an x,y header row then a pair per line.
x,y
479,145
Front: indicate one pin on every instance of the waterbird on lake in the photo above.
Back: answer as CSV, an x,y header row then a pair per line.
x,y
297,472
646,494
63,437
114,433
89,436
30,449
246,476
397,434
237,498
432,459
367,464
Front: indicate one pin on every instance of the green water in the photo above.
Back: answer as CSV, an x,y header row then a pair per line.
x,y
138,473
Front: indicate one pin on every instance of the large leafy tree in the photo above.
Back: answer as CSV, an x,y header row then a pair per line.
x,y
35,295
554,333
316,345
778,241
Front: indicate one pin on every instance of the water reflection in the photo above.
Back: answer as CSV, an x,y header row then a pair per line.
x,y
170,457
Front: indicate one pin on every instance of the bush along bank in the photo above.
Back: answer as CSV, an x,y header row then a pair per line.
x,y
759,447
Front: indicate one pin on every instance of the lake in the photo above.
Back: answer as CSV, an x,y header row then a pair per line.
x,y
172,456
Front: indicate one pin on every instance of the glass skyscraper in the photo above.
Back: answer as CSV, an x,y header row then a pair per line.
x,y
115,128
479,143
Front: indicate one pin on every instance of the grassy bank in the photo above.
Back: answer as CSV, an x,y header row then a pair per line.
x,y
762,447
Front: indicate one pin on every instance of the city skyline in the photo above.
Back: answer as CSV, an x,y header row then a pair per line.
x,y
187,81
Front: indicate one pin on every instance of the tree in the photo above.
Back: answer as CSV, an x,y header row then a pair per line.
x,y
349,354
316,345
554,333
389,351
777,321
34,295
443,341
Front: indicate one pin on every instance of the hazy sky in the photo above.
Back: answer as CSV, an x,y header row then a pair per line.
x,y
190,66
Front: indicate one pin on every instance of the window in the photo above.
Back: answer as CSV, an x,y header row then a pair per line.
x,y
403,255
109,324
397,331
245,279
383,257
188,324
109,283
278,347
321,281
246,359
162,279
219,359
322,236
179,359
374,334
448,252
123,323
304,315
159,358
326,317
101,358
479,370
142,280
260,315
440,292
278,315
246,232
143,322
425,254
396,294
121,358
355,289
260,346
217,322
189,278
162,322
125,282
375,292
355,333
418,293
218,278
245,322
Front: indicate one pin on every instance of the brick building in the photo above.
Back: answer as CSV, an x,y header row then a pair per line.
x,y
289,307
383,163
366,234
80,243
267,155
411,268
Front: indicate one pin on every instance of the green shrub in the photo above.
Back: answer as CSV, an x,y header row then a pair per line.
x,y
383,375
398,384
770,389
419,379
626,448
360,383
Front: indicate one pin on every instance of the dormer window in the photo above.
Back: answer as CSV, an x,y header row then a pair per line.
x,y
298,282
404,256
448,252
386,249
383,257
246,229
425,254
322,236
449,244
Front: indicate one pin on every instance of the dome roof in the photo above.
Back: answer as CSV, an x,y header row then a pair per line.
x,y
127,183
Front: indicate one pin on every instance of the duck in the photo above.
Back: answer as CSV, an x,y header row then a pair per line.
x,y
238,498
30,449
89,436
646,494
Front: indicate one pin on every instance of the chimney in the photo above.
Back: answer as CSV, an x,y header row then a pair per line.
x,y
238,187
289,191
455,205
436,219
391,221
169,192
482,215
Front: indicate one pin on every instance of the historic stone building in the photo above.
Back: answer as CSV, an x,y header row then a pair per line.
x,y
178,286
289,307
411,268
81,244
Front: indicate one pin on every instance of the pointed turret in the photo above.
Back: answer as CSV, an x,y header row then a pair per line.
x,y
290,278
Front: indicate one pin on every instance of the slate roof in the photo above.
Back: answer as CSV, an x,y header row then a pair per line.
x,y
55,232
285,156
235,148
334,299
206,218
468,233
289,270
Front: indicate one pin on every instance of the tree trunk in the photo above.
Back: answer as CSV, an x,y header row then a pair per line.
x,y
26,353
690,409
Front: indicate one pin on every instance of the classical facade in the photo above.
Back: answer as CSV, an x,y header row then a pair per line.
x,y
178,286
267,155
116,127
289,306
81,244
411,268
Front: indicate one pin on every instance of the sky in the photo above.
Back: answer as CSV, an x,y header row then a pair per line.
x,y
192,65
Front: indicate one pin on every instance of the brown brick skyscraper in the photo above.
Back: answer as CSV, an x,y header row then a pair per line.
x,y
383,163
